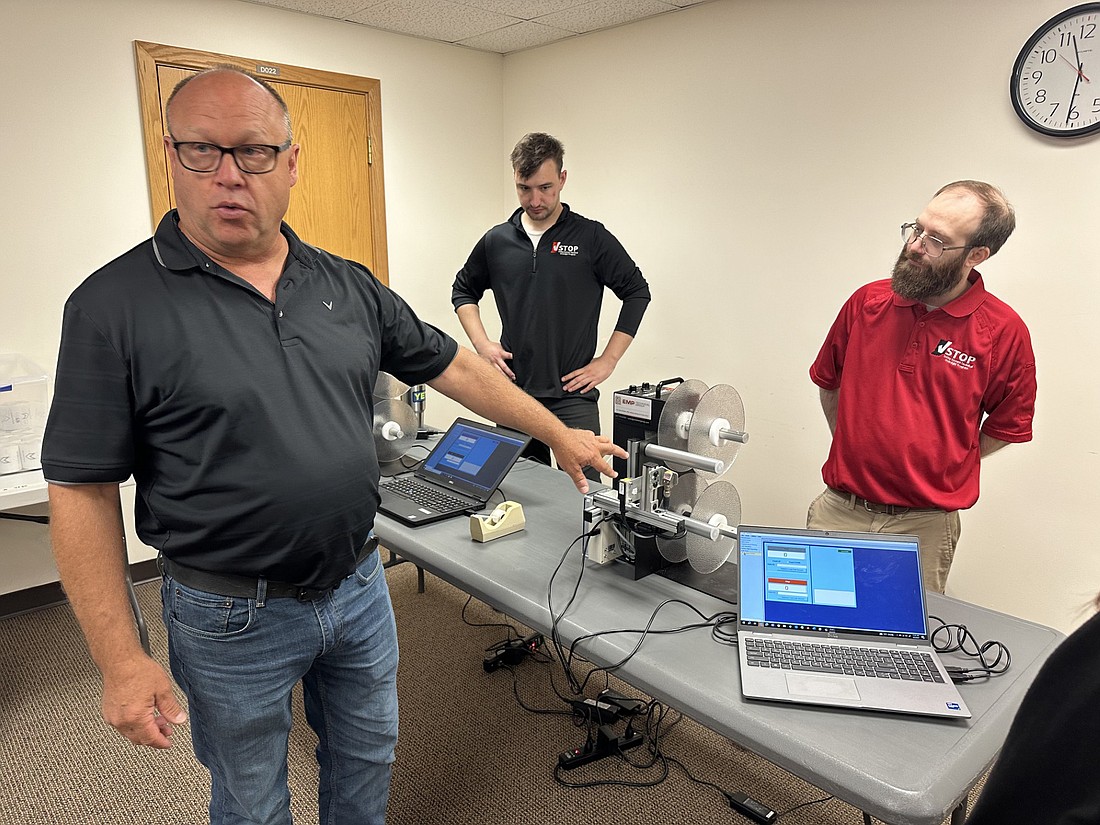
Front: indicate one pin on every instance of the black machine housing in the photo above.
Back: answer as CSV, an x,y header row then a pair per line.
x,y
637,415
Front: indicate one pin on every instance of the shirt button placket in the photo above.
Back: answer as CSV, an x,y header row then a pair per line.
x,y
909,358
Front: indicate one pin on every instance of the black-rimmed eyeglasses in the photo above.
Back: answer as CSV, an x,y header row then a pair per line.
x,y
251,158
932,246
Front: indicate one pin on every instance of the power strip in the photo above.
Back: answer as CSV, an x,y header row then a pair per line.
x,y
606,744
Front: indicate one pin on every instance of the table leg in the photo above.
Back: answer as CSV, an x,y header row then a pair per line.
x,y
958,816
395,560
139,620
22,517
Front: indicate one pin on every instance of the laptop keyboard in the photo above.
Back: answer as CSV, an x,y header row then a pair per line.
x,y
424,495
909,665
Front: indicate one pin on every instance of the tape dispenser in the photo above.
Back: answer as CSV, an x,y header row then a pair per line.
x,y
506,519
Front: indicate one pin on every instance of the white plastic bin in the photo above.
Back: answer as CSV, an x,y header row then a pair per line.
x,y
24,401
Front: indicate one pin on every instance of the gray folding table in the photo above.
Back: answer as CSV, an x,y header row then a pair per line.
x,y
903,770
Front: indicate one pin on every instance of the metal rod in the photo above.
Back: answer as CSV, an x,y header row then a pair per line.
x,y
734,435
693,460
701,528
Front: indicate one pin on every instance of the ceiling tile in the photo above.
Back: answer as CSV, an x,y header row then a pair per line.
x,y
339,9
525,9
523,35
435,19
601,14
491,25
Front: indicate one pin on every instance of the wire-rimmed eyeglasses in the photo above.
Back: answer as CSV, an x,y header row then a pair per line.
x,y
932,246
251,158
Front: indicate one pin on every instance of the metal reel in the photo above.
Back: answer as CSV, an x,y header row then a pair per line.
x,y
394,429
681,501
386,386
720,407
676,416
719,499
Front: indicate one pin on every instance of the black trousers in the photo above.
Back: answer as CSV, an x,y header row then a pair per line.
x,y
578,413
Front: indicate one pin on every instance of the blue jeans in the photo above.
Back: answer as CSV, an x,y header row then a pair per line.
x,y
237,660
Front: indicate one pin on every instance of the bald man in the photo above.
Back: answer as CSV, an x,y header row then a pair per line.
x,y
228,366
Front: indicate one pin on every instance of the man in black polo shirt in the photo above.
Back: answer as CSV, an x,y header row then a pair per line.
x,y
229,368
547,267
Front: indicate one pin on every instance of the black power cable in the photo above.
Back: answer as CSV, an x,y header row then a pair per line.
x,y
600,741
993,656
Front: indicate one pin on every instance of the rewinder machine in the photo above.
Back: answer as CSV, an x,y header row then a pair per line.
x,y
669,511
398,417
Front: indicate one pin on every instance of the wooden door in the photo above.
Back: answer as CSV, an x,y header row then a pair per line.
x,y
338,203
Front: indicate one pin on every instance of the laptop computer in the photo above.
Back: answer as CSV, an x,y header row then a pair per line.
x,y
835,618
459,475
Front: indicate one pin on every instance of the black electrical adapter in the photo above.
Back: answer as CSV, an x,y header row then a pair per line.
x,y
597,711
753,809
625,705
511,651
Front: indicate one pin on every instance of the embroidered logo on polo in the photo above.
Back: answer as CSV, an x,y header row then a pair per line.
x,y
328,305
559,248
953,355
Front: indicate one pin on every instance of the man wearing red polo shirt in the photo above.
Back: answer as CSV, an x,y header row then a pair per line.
x,y
921,376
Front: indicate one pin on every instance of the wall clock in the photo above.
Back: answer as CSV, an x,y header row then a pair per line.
x,y
1055,84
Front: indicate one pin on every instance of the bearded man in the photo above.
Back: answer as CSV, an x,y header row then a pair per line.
x,y
921,377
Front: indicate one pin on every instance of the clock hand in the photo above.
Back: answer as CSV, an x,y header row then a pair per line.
x,y
1077,69
1076,83
1080,65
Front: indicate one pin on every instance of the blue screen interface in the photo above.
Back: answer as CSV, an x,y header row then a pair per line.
x,y
868,585
475,456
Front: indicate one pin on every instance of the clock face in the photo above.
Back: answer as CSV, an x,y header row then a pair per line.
x,y
1056,80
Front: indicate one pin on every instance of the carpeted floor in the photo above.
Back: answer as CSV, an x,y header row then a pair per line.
x,y
468,752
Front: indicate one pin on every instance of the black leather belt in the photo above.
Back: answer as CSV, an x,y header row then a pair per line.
x,y
226,584
882,509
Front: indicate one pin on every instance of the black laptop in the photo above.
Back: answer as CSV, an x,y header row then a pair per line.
x,y
459,475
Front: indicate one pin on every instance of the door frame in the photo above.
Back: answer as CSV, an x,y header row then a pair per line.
x,y
151,55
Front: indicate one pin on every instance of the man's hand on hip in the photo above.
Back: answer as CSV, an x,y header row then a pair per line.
x,y
589,376
498,356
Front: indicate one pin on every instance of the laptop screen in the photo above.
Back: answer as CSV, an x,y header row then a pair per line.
x,y
826,580
473,457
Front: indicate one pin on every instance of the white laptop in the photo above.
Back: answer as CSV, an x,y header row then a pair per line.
x,y
833,618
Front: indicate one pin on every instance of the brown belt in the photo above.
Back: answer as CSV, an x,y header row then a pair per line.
x,y
881,509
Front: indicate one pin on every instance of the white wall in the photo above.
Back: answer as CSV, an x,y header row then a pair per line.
x,y
74,191
756,158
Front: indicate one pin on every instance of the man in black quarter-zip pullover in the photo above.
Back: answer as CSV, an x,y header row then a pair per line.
x,y
547,267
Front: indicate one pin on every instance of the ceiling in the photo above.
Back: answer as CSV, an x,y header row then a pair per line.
x,y
500,26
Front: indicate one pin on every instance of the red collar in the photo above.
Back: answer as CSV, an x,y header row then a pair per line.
x,y
962,306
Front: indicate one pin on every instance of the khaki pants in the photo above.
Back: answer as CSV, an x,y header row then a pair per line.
x,y
938,530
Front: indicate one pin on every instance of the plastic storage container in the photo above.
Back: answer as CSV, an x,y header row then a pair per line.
x,y
24,402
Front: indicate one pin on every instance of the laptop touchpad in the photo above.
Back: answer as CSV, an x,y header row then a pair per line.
x,y
821,687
